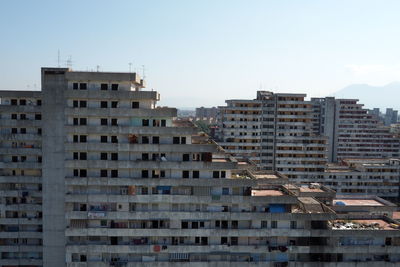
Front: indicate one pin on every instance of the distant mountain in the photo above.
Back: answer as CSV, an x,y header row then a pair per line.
x,y
387,96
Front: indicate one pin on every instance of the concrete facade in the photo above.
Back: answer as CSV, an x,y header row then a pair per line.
x,y
93,173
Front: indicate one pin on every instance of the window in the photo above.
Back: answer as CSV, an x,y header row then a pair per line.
x,y
293,225
82,138
14,102
83,156
104,86
76,173
135,104
185,225
38,102
103,139
183,140
75,103
23,130
224,240
145,174
145,139
103,156
83,104
75,121
215,174
145,156
196,174
114,122
114,156
22,102
156,140
175,140
185,157
75,139
225,191
83,86
23,158
114,104
114,139
103,173
39,131
103,104
103,121
75,86
274,224
83,173
14,130
39,159
145,122
185,174
114,86
22,116
82,121
13,116
223,174
38,117
163,123
14,159
75,155
264,224
114,173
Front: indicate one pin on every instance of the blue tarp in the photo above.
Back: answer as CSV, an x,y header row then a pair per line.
x,y
276,208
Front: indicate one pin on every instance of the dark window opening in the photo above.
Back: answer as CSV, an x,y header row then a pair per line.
x,y
83,86
104,86
145,122
103,104
156,140
114,173
114,86
135,104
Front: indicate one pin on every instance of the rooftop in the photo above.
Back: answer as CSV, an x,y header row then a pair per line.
x,y
376,224
356,202
266,192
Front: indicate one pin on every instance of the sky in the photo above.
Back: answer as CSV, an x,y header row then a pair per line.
x,y
200,53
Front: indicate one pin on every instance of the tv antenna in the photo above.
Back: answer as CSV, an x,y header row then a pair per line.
x,y
69,61
144,74
58,57
130,66
97,68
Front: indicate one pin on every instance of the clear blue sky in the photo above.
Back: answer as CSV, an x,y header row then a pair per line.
x,y
203,52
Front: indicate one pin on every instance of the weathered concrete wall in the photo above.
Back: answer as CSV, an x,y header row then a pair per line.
x,y
53,86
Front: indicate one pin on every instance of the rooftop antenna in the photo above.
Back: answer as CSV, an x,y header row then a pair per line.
x,y
69,61
144,75
130,66
58,57
98,68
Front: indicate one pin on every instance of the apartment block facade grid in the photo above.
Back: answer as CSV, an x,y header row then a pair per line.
x,y
93,173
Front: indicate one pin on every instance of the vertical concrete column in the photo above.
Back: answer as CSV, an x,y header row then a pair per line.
x,y
54,85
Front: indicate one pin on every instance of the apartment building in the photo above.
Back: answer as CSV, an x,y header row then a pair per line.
x,y
276,131
21,196
93,173
351,131
380,177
